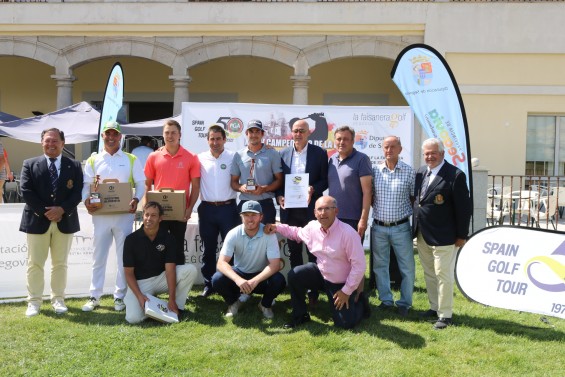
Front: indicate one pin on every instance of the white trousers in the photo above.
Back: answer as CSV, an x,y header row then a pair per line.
x,y
186,275
107,228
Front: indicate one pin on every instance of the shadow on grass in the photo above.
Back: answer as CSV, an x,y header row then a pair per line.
x,y
250,317
503,327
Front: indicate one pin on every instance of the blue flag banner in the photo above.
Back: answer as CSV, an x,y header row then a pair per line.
x,y
429,87
514,268
113,100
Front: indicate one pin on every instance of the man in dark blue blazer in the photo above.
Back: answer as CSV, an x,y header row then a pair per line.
x,y
442,212
302,158
51,188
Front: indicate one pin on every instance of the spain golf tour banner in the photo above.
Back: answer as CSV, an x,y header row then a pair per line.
x,y
113,100
371,125
428,85
514,268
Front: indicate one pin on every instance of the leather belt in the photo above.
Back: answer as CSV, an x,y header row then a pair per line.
x,y
224,203
394,223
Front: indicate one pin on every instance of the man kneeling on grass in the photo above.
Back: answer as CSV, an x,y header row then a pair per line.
x,y
256,263
150,266
339,269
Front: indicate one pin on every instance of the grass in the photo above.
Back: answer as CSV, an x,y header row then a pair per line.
x,y
484,342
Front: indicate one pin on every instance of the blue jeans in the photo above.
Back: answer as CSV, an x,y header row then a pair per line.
x,y
400,238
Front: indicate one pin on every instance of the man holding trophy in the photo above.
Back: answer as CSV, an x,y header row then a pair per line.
x,y
256,172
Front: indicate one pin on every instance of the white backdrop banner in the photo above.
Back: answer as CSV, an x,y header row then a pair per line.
x,y
371,125
514,268
13,257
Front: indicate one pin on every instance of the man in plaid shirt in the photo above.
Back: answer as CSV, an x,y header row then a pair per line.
x,y
393,187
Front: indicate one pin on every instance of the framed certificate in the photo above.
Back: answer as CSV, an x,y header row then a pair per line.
x,y
296,190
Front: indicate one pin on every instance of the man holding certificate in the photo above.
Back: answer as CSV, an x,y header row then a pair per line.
x,y
305,167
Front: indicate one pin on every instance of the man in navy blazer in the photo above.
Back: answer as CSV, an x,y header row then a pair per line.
x,y
302,158
442,212
50,217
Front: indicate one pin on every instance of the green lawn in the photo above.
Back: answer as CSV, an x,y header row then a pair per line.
x,y
484,342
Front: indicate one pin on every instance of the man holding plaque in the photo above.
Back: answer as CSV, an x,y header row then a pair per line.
x,y
111,163
256,172
302,159
172,166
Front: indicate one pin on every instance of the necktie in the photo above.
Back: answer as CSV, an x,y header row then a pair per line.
x,y
54,177
425,183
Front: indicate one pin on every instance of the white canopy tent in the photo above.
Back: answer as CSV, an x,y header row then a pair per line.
x,y
79,122
5,117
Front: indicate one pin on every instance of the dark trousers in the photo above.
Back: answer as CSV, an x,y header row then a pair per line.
x,y
297,217
308,276
213,221
268,207
353,223
178,230
269,288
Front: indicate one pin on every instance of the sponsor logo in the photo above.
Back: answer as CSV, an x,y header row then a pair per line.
x,y
551,265
422,71
116,80
361,139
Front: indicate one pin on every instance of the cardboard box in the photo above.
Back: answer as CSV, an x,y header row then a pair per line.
x,y
115,197
173,202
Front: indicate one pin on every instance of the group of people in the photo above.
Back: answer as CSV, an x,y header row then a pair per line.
x,y
151,260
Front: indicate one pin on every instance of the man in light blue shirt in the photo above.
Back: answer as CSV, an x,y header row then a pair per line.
x,y
256,263
256,172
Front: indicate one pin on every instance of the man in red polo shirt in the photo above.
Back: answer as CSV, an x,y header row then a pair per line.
x,y
172,166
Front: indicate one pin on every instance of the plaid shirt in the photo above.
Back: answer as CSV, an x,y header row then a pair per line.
x,y
392,191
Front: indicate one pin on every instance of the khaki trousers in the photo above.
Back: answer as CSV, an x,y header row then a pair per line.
x,y
438,263
39,246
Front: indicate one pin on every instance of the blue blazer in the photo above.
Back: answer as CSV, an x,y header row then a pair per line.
x,y
316,166
37,194
444,213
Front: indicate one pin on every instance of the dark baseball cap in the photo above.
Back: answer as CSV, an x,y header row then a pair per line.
x,y
255,123
251,206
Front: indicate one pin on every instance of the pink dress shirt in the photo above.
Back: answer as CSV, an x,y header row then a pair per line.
x,y
339,252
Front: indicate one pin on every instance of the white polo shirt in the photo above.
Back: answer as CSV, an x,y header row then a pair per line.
x,y
215,177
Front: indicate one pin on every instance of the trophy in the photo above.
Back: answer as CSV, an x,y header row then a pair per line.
x,y
251,184
95,198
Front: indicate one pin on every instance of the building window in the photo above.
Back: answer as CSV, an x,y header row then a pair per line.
x,y
545,145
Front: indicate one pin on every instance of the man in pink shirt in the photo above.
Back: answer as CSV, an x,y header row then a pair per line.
x,y
172,166
339,269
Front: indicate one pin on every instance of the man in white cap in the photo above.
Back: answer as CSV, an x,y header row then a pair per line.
x,y
256,263
111,163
